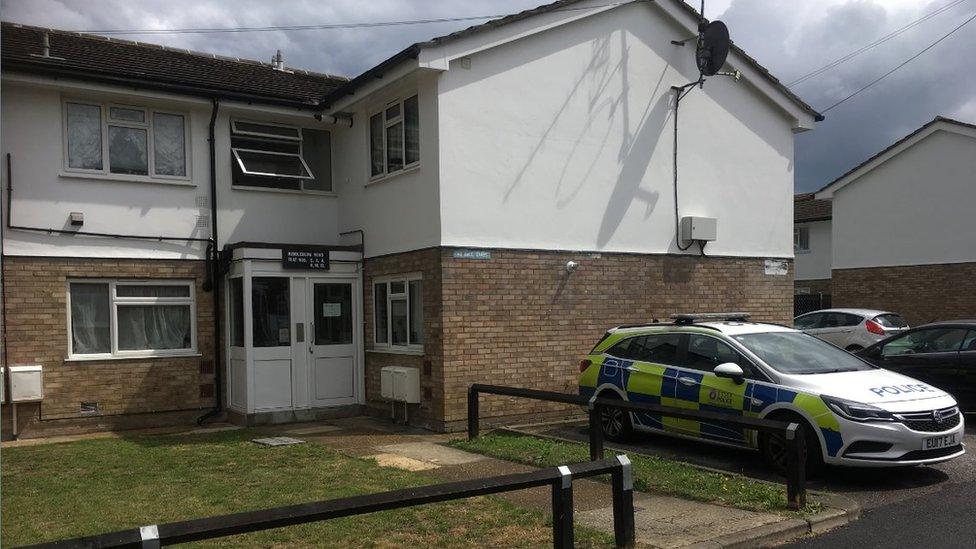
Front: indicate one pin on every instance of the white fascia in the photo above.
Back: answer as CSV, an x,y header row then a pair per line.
x,y
440,57
801,119
827,193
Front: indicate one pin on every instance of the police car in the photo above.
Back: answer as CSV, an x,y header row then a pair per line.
x,y
855,413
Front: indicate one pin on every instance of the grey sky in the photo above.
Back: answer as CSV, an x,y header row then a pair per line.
x,y
789,37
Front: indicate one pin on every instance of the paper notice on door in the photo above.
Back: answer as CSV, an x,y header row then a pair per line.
x,y
284,336
331,310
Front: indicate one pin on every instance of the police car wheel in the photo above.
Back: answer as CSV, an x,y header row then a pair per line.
x,y
615,423
775,450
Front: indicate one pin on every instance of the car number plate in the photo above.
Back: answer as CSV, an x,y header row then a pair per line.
x,y
943,441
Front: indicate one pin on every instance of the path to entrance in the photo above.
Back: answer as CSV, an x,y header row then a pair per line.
x,y
661,521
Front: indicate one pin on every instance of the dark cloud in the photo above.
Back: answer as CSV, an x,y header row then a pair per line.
x,y
789,37
792,43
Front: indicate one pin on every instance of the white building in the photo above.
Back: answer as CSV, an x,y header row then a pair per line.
x,y
903,226
811,244
420,214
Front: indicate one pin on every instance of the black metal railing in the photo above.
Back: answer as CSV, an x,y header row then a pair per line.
x,y
559,478
805,303
793,433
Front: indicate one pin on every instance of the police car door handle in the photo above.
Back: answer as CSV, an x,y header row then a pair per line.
x,y
687,380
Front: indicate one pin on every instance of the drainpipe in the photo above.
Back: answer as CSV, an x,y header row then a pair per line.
x,y
3,326
213,256
362,275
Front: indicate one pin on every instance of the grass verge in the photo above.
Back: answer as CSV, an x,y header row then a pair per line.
x,y
57,491
651,474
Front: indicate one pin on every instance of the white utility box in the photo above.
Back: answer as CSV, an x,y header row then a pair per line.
x,y
26,383
698,228
400,384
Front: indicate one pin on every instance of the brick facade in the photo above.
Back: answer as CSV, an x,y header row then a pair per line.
x,y
920,293
519,318
130,392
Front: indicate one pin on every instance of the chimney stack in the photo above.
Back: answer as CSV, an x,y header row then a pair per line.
x,y
278,62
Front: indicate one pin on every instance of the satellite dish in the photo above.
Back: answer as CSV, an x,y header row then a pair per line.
x,y
713,48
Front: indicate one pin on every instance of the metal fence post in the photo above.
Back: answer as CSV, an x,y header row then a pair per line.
x,y
796,461
473,422
562,510
622,483
596,431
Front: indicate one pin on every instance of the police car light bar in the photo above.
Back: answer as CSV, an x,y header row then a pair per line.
x,y
690,318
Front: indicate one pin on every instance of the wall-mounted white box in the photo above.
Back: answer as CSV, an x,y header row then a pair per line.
x,y
400,384
698,228
26,383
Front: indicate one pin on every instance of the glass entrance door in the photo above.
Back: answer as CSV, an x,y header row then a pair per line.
x,y
331,347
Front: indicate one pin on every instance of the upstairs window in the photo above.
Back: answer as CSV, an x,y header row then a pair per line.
x,y
275,156
394,138
125,140
801,239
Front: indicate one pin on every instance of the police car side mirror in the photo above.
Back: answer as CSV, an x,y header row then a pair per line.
x,y
730,370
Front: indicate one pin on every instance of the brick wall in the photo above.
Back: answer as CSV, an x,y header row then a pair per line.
x,y
519,318
428,263
37,333
920,293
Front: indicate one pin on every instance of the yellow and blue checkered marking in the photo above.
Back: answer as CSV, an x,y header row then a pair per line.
x,y
659,384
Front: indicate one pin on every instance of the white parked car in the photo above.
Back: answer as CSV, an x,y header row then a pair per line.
x,y
851,329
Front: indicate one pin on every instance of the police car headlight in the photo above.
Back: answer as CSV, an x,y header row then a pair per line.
x,y
857,411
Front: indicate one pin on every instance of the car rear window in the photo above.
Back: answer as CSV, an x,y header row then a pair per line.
x,y
891,321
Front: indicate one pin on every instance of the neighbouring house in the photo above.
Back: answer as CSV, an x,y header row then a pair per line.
x,y
903,226
811,246
191,233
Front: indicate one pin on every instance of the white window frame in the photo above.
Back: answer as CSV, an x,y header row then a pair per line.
x,y
301,156
245,171
106,120
797,239
386,173
406,279
115,302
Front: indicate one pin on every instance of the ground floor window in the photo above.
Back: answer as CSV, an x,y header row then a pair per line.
x,y
127,318
398,312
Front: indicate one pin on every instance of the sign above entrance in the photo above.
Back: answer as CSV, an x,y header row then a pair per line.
x,y
297,258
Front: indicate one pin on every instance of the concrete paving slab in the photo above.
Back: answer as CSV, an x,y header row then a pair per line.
x,y
431,452
664,521
402,462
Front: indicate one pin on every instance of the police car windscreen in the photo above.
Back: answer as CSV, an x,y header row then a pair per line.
x,y
799,353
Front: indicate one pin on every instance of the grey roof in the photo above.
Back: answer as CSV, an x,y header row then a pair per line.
x,y
806,208
109,60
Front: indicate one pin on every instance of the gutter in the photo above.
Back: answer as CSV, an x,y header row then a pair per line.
x,y
213,263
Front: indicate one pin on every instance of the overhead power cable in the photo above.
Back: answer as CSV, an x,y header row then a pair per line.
x,y
907,61
329,26
878,42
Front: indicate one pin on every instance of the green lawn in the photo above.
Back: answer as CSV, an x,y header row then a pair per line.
x,y
56,491
651,474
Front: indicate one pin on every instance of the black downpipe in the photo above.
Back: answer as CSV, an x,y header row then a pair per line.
x,y
362,294
3,313
213,258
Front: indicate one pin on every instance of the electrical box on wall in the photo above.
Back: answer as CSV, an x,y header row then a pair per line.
x,y
698,228
26,383
400,384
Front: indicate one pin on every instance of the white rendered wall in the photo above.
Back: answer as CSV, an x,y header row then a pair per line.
x,y
563,140
814,264
915,209
44,193
398,213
